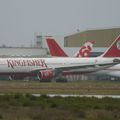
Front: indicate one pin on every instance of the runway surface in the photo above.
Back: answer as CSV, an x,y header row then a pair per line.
x,y
73,95
75,89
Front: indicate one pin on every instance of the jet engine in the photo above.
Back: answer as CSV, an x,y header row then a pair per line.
x,y
45,74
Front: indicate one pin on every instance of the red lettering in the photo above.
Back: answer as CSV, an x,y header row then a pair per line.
x,y
13,63
10,64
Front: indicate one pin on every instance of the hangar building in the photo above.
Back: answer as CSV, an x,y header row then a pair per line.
x,y
22,52
35,50
102,37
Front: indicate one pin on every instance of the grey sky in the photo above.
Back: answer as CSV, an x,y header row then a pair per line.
x,y
20,19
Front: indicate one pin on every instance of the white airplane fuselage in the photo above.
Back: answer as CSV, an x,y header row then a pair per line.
x,y
21,65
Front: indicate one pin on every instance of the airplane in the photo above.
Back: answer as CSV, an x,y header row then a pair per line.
x,y
57,51
110,52
49,68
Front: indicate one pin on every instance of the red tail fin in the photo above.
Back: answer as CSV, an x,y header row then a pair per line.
x,y
55,49
114,49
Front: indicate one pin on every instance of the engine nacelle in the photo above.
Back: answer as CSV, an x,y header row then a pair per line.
x,y
45,75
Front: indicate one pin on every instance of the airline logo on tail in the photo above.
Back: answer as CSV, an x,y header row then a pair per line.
x,y
114,49
56,50
85,49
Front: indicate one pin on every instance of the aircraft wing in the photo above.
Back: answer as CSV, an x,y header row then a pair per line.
x,y
84,68
87,68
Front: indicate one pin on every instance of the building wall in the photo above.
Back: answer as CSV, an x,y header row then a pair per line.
x,y
102,37
23,52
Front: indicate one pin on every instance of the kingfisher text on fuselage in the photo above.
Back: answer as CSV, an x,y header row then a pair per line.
x,y
14,63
